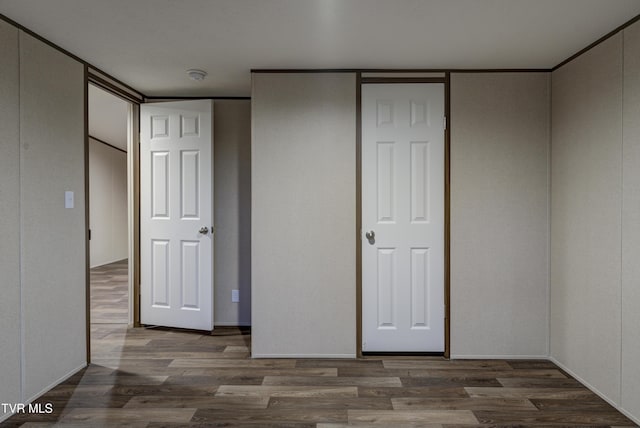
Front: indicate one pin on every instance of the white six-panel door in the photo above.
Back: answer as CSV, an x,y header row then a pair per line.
x,y
403,217
176,214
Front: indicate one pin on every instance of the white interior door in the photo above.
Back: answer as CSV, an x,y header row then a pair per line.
x,y
176,214
403,217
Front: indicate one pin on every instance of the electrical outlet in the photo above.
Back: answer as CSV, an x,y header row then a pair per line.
x,y
235,296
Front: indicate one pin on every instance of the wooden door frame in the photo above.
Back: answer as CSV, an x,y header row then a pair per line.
x,y
445,79
122,91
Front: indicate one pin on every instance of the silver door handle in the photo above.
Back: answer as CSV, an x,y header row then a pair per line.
x,y
204,230
370,235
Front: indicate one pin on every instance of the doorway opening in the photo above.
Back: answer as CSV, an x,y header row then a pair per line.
x,y
233,188
110,292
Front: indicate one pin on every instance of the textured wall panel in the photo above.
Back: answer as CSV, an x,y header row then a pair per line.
x,y
499,214
52,133
586,202
303,214
630,378
10,388
108,203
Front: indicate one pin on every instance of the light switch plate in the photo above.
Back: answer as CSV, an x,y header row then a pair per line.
x,y
68,199
235,296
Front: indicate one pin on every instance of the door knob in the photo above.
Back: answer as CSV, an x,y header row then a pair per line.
x,y
204,230
370,235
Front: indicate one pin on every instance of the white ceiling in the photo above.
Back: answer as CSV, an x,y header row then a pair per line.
x,y
149,44
108,118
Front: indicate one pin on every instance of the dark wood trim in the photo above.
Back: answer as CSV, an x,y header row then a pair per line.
x,y
106,144
359,215
136,214
447,217
402,354
152,99
597,42
64,51
446,81
400,70
130,92
113,89
305,70
498,70
86,216
373,80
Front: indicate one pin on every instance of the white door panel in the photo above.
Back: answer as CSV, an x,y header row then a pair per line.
x,y
176,188
403,205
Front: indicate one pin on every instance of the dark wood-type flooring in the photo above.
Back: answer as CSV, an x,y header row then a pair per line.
x,y
169,378
110,293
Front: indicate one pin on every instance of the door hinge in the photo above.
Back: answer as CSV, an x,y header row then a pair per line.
x,y
89,234
444,122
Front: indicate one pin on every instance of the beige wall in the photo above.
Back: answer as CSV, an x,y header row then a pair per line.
x,y
500,220
10,389
53,256
630,369
303,215
596,219
499,214
585,216
42,256
232,180
107,203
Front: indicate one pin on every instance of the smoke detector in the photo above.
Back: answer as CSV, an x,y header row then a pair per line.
x,y
197,75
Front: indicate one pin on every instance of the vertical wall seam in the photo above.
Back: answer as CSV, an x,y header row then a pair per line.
x,y
252,219
87,249
358,212
549,199
621,215
21,225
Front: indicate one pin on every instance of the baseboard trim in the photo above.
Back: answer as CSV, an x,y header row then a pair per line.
x,y
498,357
320,356
231,324
57,382
595,390
47,389
107,263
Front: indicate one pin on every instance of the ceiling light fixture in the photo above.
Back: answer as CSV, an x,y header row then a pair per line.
x,y
197,75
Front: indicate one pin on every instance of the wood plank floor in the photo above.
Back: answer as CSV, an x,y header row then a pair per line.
x,y
170,378
164,378
110,293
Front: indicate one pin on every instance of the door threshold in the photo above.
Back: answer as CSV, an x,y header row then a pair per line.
x,y
403,354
